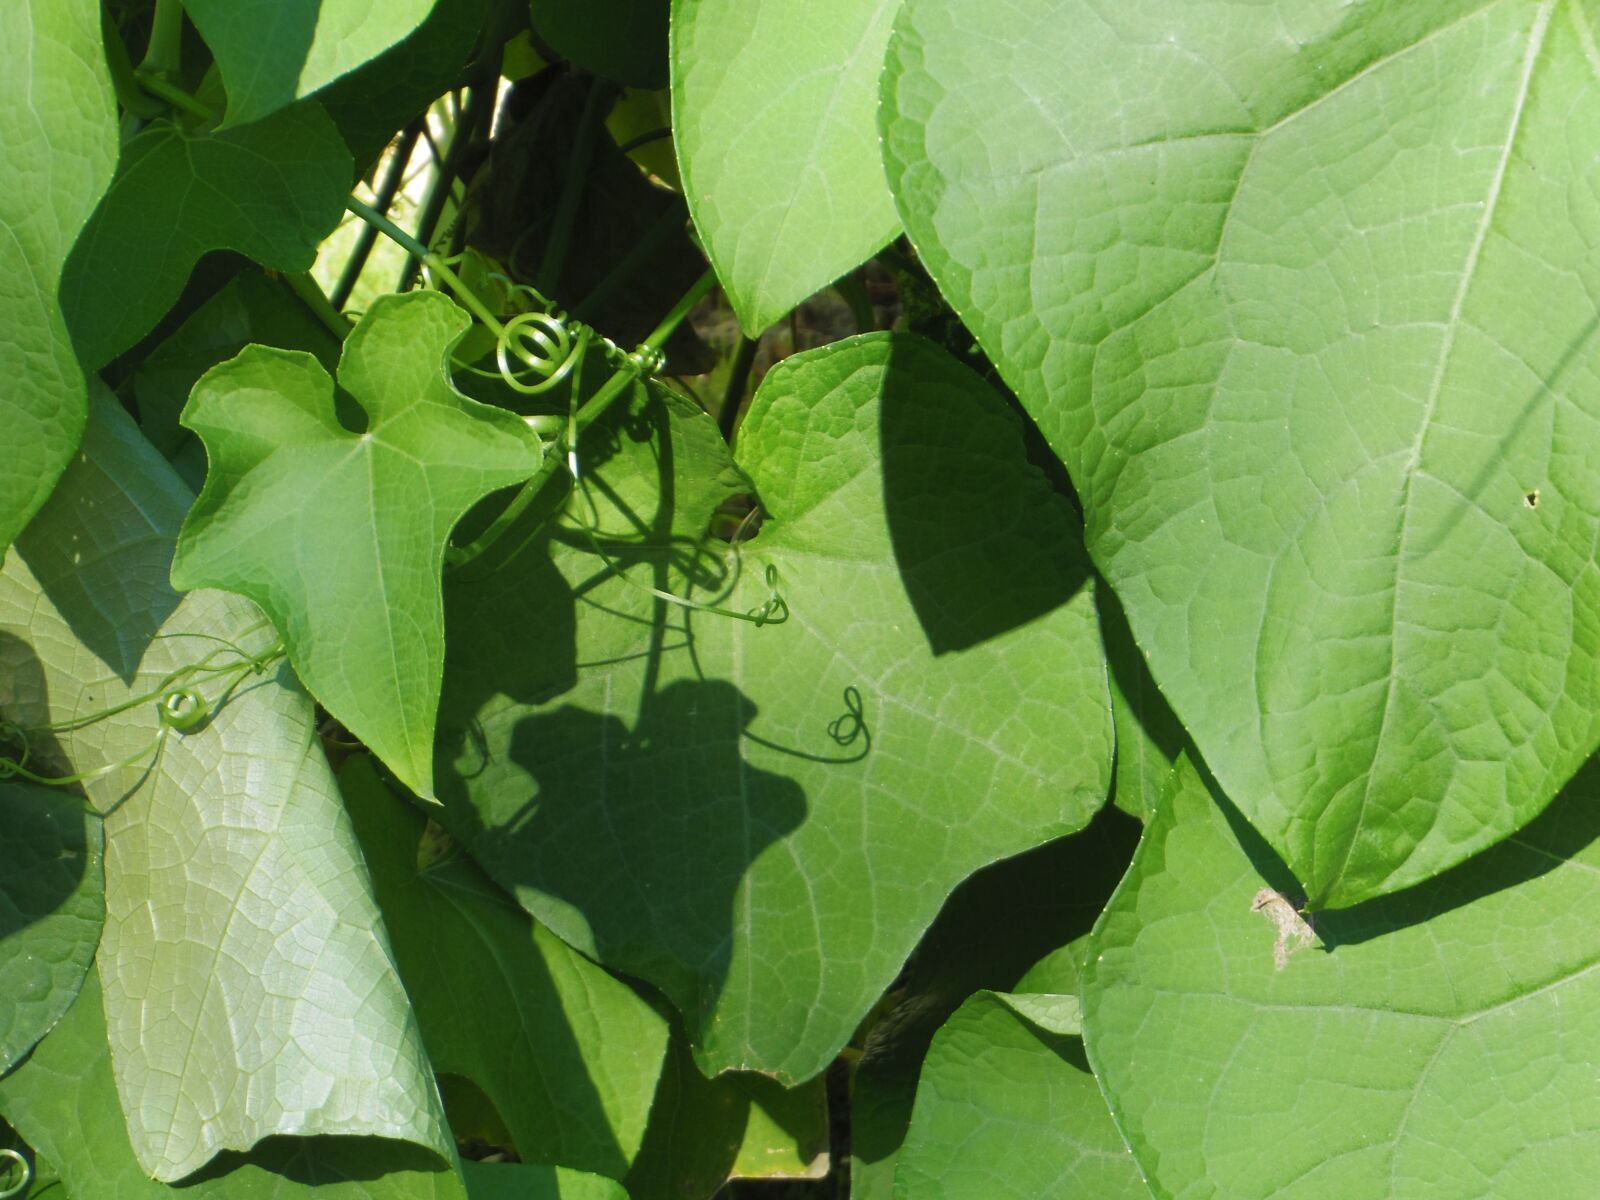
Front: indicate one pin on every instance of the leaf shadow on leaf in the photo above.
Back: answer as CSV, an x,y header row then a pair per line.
x,y
973,568
1562,831
320,1161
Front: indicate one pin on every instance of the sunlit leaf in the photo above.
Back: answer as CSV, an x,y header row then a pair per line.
x,y
1303,297
340,534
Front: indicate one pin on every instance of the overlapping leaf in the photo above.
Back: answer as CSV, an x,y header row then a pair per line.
x,y
763,820
1304,298
58,130
568,1055
272,191
64,1101
340,534
249,991
624,40
52,901
1007,1107
784,179
1437,1042
271,55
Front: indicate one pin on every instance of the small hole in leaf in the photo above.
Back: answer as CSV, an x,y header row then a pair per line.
x,y
1531,499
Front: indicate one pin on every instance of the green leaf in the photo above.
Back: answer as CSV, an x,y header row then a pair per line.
x,y
64,1101
271,191
1149,735
995,927
272,54
704,1132
52,902
58,127
568,1055
1305,304
1007,1107
1436,1042
340,535
763,820
249,989
519,1181
624,40
774,118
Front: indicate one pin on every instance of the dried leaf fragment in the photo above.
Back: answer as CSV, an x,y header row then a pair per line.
x,y
1294,930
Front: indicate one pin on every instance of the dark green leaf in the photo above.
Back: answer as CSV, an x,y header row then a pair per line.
x,y
52,900
272,191
340,534
59,137
275,53
624,40
568,1055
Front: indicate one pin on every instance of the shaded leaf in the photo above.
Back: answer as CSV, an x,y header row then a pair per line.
x,y
520,1181
272,191
568,1055
763,820
249,990
64,1101
1149,735
1007,1107
272,54
340,535
784,182
1305,302
52,903
994,927
623,40
1437,1042
58,125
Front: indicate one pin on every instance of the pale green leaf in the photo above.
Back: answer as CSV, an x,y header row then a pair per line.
x,y
249,990
340,535
762,820
52,895
271,191
1303,294
1007,1109
774,117
1438,1042
624,40
568,1055
58,131
64,1101
273,52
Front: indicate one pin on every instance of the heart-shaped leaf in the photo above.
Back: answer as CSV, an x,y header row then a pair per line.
x,y
1303,296
340,535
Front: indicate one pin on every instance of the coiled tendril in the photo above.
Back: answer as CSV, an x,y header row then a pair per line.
x,y
21,1185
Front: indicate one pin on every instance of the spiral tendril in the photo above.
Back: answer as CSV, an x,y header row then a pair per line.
x,y
21,1185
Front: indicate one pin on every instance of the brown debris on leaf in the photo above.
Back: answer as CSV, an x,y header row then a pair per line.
x,y
1294,929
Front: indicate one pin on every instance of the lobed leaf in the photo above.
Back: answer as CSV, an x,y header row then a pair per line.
x,y
58,128
271,191
248,988
773,118
1304,299
339,534
1437,1042
762,820
272,53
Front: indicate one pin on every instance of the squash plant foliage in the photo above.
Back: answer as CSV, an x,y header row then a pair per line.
x,y
1123,730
